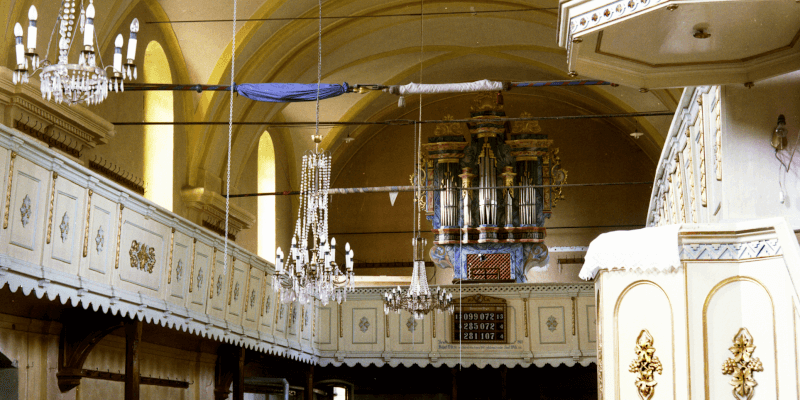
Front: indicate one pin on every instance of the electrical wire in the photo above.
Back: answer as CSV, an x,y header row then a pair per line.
x,y
401,15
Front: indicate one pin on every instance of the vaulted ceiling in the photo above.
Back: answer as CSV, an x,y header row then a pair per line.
x,y
278,43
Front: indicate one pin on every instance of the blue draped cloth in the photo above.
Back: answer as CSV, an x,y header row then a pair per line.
x,y
289,92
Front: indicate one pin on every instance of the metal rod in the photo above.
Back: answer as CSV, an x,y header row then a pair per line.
x,y
199,88
387,189
546,227
404,122
471,12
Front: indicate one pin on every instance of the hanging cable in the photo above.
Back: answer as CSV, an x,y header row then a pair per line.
x,y
440,13
230,137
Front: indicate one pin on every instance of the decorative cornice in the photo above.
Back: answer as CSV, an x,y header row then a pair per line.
x,y
731,251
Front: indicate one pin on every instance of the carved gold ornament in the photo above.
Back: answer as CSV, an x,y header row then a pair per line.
x,y
646,365
143,257
742,366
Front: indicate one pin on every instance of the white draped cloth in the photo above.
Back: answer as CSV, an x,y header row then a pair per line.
x,y
648,249
466,87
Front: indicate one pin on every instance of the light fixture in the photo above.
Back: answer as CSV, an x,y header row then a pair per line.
x,y
418,299
701,34
310,271
83,81
779,140
637,133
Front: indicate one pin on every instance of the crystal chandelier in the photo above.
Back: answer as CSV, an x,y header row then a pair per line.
x,y
418,299
310,271
73,83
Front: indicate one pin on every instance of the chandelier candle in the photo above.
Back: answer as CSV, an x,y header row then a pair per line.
x,y
83,81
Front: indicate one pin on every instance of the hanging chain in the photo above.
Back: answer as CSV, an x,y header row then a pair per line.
x,y
319,71
230,136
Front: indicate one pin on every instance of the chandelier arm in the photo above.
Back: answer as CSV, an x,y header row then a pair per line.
x,y
97,50
50,41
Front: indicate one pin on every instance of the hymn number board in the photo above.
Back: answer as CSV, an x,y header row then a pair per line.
x,y
480,319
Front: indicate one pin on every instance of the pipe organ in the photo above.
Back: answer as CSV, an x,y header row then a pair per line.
x,y
475,207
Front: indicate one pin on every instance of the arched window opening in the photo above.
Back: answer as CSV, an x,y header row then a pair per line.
x,y
158,140
9,379
266,204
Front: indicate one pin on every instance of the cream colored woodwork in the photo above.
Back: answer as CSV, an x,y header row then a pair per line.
x,y
252,299
326,329
27,213
240,274
98,265
135,272
733,276
219,287
659,43
403,343
200,277
66,228
180,269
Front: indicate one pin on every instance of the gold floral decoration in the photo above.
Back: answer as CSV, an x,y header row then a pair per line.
x,y
742,366
646,365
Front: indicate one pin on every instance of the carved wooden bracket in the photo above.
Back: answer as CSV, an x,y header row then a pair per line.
x,y
77,341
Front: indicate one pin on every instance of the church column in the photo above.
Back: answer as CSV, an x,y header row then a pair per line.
x,y
310,383
454,379
238,375
133,337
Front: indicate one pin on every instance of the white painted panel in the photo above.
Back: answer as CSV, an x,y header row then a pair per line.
x,y
219,287
67,229
365,326
641,306
180,271
324,325
200,276
238,287
410,330
137,271
253,299
308,320
102,238
755,312
26,224
552,327
268,306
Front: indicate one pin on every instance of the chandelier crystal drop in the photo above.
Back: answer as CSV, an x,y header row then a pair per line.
x,y
310,271
418,299
84,81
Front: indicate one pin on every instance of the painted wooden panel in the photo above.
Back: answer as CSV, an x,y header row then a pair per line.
x,y
27,211
200,275
179,272
66,227
143,252
253,299
218,286
100,254
239,274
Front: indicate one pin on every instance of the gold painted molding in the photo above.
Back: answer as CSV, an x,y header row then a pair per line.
x,y
88,219
169,263
191,276
213,272
8,189
119,234
50,214
646,365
